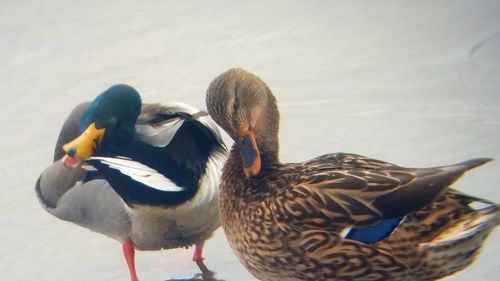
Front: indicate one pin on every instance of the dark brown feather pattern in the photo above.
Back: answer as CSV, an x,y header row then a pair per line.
x,y
289,221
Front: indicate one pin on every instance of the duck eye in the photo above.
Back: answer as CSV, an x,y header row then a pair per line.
x,y
112,121
235,105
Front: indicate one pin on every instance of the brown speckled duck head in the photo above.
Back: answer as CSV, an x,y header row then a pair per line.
x,y
243,105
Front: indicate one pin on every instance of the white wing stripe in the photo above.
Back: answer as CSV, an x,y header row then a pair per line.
x,y
140,172
159,136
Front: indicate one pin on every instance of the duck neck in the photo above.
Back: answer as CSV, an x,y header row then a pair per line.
x,y
269,159
239,188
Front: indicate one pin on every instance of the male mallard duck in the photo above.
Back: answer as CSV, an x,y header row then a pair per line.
x,y
338,216
158,169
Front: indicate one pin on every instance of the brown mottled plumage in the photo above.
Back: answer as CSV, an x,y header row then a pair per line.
x,y
304,221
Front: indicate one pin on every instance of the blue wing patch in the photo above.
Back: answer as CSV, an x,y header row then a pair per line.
x,y
373,233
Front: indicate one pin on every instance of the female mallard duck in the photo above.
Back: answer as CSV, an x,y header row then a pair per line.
x,y
338,216
157,177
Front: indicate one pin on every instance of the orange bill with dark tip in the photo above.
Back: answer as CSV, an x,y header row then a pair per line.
x,y
249,153
83,146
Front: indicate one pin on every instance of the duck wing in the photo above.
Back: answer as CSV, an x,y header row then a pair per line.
x,y
167,159
137,172
159,123
187,137
352,190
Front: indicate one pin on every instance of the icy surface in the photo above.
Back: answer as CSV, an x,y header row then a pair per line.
x,y
414,83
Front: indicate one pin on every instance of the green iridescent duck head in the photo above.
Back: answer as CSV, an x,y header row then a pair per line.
x,y
108,121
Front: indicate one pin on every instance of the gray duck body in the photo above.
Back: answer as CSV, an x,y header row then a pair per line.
x,y
82,195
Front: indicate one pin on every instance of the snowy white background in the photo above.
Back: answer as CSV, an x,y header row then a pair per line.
x,y
416,83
